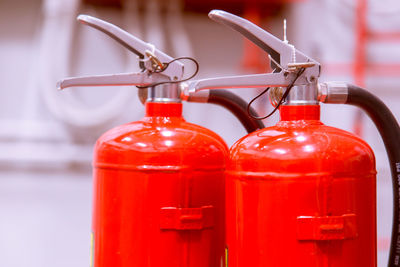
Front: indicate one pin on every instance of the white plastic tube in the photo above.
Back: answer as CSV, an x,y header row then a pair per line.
x,y
54,61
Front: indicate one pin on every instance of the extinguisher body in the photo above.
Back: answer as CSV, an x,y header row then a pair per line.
x,y
301,194
159,193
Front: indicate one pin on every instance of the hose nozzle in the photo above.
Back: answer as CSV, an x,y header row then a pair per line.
x,y
333,92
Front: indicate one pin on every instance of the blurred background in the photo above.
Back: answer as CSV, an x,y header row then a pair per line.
x,y
46,136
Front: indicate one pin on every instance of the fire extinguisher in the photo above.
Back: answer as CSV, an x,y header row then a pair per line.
x,y
158,182
301,193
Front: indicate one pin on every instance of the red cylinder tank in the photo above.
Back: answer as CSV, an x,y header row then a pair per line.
x,y
159,193
301,194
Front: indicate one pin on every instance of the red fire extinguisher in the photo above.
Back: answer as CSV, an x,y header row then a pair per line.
x,y
301,193
158,182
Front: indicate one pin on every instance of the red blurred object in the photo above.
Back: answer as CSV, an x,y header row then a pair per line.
x,y
360,58
238,7
360,44
301,194
159,193
105,3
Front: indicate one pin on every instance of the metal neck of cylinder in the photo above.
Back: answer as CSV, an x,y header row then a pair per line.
x,y
303,95
165,93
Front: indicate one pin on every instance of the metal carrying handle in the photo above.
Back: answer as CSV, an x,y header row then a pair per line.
x,y
283,54
266,41
285,59
151,60
240,81
137,46
122,79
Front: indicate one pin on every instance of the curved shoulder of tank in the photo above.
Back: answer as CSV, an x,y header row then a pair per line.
x,y
252,140
119,132
348,135
208,134
318,132
313,146
147,142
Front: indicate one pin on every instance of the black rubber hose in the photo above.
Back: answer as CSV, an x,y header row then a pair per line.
x,y
237,106
390,132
